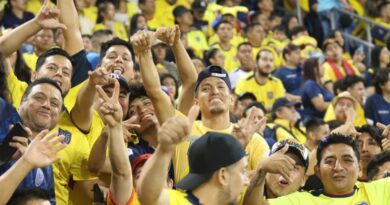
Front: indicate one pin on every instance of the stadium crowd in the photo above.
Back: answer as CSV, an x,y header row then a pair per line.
x,y
180,102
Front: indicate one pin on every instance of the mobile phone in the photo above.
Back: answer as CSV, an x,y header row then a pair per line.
x,y
7,151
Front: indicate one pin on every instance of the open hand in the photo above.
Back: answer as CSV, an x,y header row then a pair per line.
x,y
279,163
43,149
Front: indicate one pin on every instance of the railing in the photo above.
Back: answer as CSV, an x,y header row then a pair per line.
x,y
368,23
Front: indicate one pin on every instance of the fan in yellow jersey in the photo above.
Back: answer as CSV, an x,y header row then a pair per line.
x,y
224,31
106,20
196,39
345,108
338,169
285,123
260,82
215,120
217,163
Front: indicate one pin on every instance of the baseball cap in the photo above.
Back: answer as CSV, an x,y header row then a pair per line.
x,y
295,148
283,102
213,71
179,11
208,154
139,161
199,5
122,81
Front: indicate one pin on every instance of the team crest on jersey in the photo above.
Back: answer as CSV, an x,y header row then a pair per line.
x,y
66,134
270,95
39,177
362,203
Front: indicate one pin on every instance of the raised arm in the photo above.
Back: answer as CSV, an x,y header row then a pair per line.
x,y
40,153
276,163
121,178
82,112
155,170
70,17
97,158
142,42
46,18
187,73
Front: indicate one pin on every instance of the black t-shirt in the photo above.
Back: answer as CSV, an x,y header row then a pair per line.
x,y
81,66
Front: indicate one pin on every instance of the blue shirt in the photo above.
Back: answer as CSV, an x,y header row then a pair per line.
x,y
12,21
312,89
81,66
8,116
38,178
377,109
142,147
326,5
291,79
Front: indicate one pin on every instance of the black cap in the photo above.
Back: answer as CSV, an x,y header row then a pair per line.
x,y
199,5
208,154
180,10
283,102
213,71
122,81
247,95
295,148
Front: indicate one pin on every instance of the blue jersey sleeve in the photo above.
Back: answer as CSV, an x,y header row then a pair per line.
x,y
311,89
81,66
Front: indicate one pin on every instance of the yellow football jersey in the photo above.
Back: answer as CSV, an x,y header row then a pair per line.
x,y
119,30
74,158
377,192
265,94
360,118
257,149
31,60
231,61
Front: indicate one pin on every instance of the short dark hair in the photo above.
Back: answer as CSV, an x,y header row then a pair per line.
x,y
208,55
351,80
294,31
220,23
115,42
22,196
381,77
280,28
373,131
288,49
137,91
339,85
51,52
313,124
376,162
336,139
168,75
38,82
254,104
243,44
252,26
